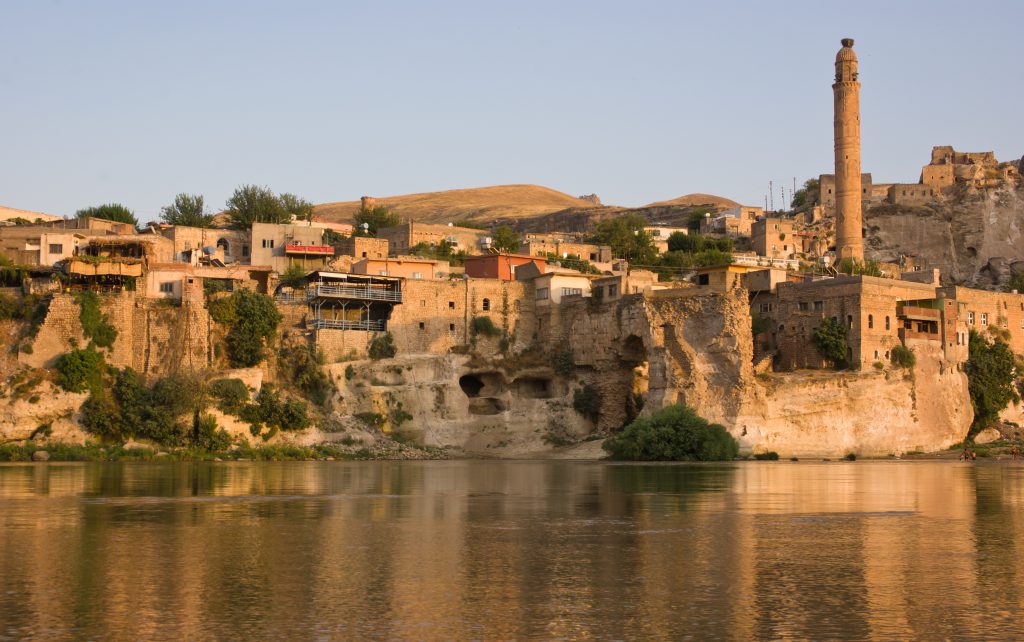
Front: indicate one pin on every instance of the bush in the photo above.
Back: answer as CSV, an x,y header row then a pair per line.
x,y
903,357
587,402
991,372
303,369
564,363
350,372
382,347
95,324
850,457
830,339
854,267
484,326
294,277
674,433
80,370
771,455
253,318
232,395
271,411
208,436
759,323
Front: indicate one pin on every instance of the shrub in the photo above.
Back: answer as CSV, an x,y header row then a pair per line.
x,y
271,411
302,368
903,356
231,394
759,323
878,365
95,324
254,324
850,457
382,347
771,455
350,372
484,325
674,433
854,267
991,371
830,339
587,402
208,436
564,363
79,370
294,276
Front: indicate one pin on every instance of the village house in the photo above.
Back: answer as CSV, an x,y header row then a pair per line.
x,y
196,245
774,238
735,221
407,267
364,247
282,245
501,266
402,238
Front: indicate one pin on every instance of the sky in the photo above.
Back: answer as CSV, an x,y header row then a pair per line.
x,y
134,102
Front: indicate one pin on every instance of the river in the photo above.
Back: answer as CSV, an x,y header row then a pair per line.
x,y
500,549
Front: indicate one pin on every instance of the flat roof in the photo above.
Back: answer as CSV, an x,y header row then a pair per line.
x,y
479,257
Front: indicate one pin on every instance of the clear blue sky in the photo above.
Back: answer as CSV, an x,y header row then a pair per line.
x,y
637,101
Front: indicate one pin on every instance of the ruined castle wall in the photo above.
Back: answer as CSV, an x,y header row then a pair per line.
x,y
911,194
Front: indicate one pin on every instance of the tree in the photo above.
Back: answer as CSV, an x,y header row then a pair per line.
x,y
830,339
187,210
254,204
810,188
296,206
253,318
109,212
627,237
991,373
1016,282
674,433
375,218
505,239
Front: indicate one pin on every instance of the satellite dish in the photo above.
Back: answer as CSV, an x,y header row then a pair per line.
x,y
209,250
450,224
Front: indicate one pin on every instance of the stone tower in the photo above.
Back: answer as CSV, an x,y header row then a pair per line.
x,y
846,92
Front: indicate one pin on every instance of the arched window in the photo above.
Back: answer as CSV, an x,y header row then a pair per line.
x,y
487,304
222,244
886,323
871,322
849,321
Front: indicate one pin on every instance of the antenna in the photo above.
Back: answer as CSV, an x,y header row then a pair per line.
x,y
771,194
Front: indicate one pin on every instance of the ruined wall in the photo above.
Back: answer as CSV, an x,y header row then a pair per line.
x,y
153,338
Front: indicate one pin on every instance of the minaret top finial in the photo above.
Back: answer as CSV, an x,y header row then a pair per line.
x,y
847,42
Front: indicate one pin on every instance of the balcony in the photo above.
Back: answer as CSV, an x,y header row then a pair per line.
x,y
354,292
916,313
308,250
906,334
345,324
92,266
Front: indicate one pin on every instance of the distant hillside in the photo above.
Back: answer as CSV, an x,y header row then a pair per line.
x,y
7,213
484,204
695,200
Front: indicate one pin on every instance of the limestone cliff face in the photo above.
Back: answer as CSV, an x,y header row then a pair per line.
x,y
975,236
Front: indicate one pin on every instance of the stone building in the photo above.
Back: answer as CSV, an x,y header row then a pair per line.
x,y
364,247
35,245
564,249
196,245
735,221
407,267
991,312
282,245
402,238
501,266
775,238
846,94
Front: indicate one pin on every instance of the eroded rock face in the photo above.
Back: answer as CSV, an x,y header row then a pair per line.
x,y
975,237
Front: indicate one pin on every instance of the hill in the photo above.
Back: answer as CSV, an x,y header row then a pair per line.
x,y
484,204
694,200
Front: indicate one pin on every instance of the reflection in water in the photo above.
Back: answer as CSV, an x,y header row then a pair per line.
x,y
486,549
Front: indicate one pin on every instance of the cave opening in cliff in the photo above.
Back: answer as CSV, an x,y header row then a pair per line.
x,y
471,385
633,350
533,388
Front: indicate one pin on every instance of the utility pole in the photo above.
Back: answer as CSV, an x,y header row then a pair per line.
x,y
771,194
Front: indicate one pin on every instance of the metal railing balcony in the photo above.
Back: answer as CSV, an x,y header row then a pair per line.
x,y
355,292
345,324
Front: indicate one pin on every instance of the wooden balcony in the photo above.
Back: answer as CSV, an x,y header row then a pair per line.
x,y
109,267
916,313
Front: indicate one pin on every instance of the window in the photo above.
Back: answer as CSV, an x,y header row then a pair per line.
x,y
167,287
803,306
766,307
984,318
775,248
245,250
613,290
876,354
222,244
451,305
886,323
486,304
572,291
423,303
451,327
849,321
422,325
703,279
417,275
268,244
56,248
593,256
819,306
970,318
542,293
364,255
871,324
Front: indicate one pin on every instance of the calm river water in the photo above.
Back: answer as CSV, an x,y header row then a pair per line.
x,y
489,549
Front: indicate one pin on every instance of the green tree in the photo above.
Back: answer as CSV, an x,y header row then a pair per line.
x,y
830,339
505,239
627,237
187,210
805,193
991,373
253,318
674,433
1016,282
109,212
254,204
296,206
375,218
80,370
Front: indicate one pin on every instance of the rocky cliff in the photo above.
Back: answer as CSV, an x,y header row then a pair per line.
x,y
974,236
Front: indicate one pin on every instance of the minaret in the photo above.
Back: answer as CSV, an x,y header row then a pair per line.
x,y
846,91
